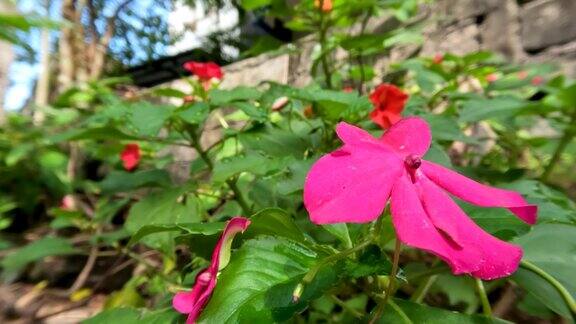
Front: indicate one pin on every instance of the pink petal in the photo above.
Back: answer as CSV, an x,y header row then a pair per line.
x,y
183,302
351,184
409,136
479,194
221,254
496,258
355,136
414,228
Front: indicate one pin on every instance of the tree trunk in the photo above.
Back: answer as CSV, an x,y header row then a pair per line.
x,y
66,48
6,58
43,85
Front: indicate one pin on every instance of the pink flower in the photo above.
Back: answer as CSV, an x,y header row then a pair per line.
x,y
204,71
537,80
130,156
492,77
192,302
354,183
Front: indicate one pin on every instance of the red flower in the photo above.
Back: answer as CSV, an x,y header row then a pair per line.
x,y
326,5
388,102
130,156
537,80
204,71
348,89
192,302
492,77
438,58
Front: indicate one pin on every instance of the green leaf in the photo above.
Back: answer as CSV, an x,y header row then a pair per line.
x,y
168,92
128,315
340,231
121,181
253,163
194,114
166,207
254,4
418,313
256,113
35,251
188,228
551,248
496,221
370,262
222,97
125,315
275,142
500,107
257,283
148,119
275,221
100,133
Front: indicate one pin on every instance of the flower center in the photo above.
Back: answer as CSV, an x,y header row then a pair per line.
x,y
413,161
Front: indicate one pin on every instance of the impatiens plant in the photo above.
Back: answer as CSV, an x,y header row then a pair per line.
x,y
354,183
192,302
356,190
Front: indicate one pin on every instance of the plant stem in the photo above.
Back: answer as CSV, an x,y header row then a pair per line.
x,y
346,307
323,51
566,138
195,141
391,285
568,299
486,309
423,289
400,312
329,259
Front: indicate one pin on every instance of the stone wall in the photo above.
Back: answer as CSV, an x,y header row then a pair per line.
x,y
523,31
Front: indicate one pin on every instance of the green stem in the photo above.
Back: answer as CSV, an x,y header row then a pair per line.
x,y
329,259
568,299
323,51
346,307
392,283
486,309
195,141
400,312
566,138
423,289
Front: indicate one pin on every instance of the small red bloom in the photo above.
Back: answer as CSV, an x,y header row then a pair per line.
x,y
204,71
438,58
130,156
348,89
492,77
537,80
388,101
67,203
326,5
193,302
522,75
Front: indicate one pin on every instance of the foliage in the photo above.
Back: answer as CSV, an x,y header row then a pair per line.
x,y
284,267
